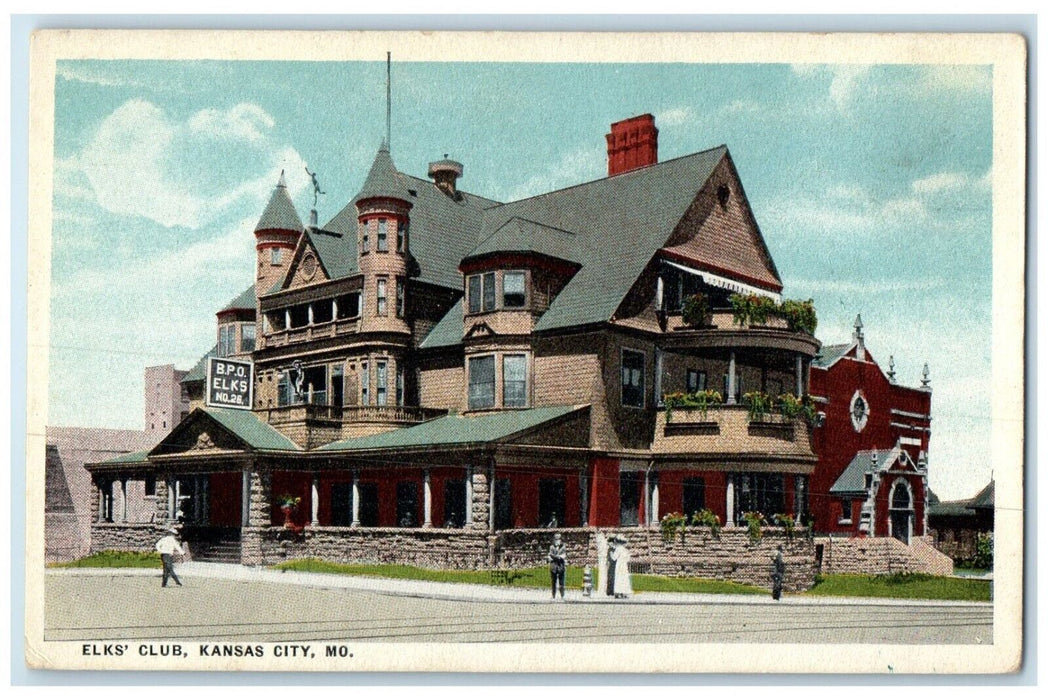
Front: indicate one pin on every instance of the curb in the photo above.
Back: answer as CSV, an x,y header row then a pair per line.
x,y
480,593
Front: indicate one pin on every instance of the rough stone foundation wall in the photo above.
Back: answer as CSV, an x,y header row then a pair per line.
x,y
432,548
881,555
128,537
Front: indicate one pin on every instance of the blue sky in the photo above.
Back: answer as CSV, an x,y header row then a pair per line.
x,y
871,185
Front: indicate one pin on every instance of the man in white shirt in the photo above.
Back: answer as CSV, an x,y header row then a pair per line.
x,y
167,546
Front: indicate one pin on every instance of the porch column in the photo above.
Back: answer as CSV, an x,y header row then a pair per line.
x,y
314,500
245,497
356,499
646,501
729,501
469,495
260,506
479,504
800,376
123,499
427,500
584,498
654,498
100,503
730,398
172,498
491,497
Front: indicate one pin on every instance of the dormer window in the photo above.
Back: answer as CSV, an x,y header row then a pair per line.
x,y
227,336
514,293
274,256
247,337
481,292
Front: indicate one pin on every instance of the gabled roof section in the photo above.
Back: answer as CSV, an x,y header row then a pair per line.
x,y
140,457
853,479
983,499
448,330
280,213
830,354
199,371
336,252
457,430
620,222
237,429
243,301
383,180
523,236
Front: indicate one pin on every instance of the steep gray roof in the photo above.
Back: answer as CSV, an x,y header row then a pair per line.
x,y
831,353
280,212
383,180
442,230
853,479
448,330
620,223
337,251
983,499
522,236
244,300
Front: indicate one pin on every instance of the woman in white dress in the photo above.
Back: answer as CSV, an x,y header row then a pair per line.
x,y
620,560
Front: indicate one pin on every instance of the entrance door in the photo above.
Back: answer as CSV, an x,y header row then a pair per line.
x,y
454,502
368,505
551,502
342,504
630,484
901,512
407,504
503,504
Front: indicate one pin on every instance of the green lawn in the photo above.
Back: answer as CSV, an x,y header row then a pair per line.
x,y
115,560
907,586
535,577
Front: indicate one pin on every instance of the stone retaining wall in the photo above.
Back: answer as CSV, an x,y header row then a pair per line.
x,y
881,555
134,537
730,556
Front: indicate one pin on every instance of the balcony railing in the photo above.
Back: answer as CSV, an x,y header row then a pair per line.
x,y
724,320
350,414
302,412
317,331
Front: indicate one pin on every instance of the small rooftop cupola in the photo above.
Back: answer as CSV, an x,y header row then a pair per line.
x,y
633,143
445,173
383,180
859,339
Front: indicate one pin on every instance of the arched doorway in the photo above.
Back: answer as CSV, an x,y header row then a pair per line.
x,y
900,512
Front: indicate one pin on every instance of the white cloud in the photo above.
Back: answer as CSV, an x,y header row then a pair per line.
x,y
577,166
84,74
941,181
143,162
845,78
956,78
674,117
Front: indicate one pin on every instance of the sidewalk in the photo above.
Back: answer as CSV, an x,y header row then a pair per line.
x,y
477,593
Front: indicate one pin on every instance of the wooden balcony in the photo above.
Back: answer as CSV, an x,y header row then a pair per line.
x,y
722,332
725,437
317,331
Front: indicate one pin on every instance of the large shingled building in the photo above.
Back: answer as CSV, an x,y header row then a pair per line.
x,y
429,359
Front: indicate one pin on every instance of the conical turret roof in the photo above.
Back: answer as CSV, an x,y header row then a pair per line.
x,y
383,180
280,213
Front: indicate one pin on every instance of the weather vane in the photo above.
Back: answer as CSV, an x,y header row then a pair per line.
x,y
316,187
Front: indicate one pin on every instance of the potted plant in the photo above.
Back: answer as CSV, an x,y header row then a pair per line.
x,y
707,518
754,521
671,524
758,403
695,311
288,506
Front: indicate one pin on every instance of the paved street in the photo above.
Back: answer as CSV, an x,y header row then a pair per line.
x,y
113,605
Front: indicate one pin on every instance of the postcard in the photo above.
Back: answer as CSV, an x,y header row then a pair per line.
x,y
542,352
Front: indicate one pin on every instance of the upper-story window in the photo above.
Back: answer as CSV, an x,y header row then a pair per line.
x,y
380,382
227,335
275,256
696,381
348,305
481,290
364,238
400,298
380,296
381,244
514,381
514,294
283,390
400,384
632,378
482,382
402,236
247,337
322,311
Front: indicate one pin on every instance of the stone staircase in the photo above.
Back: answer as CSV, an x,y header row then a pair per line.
x,y
220,545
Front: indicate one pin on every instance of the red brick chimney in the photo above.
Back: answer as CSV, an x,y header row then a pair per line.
x,y
632,143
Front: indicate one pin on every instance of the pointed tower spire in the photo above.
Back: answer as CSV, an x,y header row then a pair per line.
x,y
926,383
383,180
859,339
280,213
891,368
